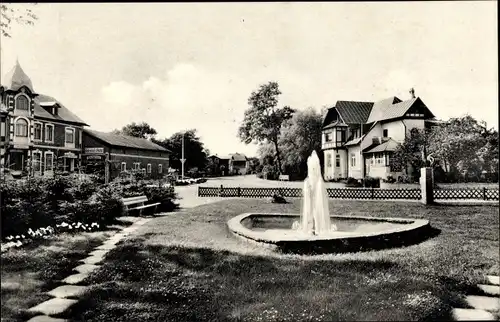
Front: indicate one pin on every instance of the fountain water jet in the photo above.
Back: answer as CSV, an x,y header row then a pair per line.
x,y
315,216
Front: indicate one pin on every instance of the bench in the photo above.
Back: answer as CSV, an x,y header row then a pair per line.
x,y
138,202
284,177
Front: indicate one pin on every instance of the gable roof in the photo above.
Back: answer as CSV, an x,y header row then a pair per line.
x,y
63,113
353,112
334,124
238,157
381,107
126,141
389,145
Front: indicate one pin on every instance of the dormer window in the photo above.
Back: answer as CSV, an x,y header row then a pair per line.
x,y
22,103
22,128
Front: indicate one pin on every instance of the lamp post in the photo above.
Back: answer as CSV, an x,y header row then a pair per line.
x,y
183,160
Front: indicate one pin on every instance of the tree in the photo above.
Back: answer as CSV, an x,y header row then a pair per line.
x,y
142,130
299,138
410,152
194,151
9,14
462,144
263,120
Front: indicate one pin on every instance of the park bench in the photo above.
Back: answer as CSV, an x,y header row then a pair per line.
x,y
138,202
284,177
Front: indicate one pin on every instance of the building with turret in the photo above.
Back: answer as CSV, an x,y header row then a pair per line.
x,y
38,134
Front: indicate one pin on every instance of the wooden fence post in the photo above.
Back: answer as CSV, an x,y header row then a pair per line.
x,y
239,191
372,192
484,193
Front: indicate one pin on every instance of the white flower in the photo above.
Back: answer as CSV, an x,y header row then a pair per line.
x,y
19,243
64,224
17,237
9,237
23,236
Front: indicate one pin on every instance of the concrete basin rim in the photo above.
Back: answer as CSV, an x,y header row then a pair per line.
x,y
235,226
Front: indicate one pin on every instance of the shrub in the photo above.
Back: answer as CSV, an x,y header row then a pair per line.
x,y
164,195
353,183
370,182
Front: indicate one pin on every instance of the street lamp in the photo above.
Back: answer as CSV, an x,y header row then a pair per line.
x,y
183,160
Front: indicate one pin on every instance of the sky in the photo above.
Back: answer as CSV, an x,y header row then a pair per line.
x,y
179,66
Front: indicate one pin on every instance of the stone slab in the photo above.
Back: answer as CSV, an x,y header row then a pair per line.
x,y
490,289
472,315
86,268
53,306
487,303
75,278
45,318
494,280
99,252
94,259
105,246
65,291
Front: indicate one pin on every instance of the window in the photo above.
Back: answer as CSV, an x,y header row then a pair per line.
x,y
22,128
37,161
22,103
353,160
160,168
337,160
49,161
149,167
124,167
137,165
328,160
386,133
49,133
340,135
2,128
70,135
37,131
327,137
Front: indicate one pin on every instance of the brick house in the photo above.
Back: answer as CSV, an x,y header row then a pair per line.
x,y
116,153
38,134
359,138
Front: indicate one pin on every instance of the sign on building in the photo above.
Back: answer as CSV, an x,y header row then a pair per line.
x,y
94,150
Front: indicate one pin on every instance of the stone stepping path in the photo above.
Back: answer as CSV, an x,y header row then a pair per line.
x,y
66,295
483,306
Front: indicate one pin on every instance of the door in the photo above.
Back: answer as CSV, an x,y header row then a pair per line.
x,y
17,161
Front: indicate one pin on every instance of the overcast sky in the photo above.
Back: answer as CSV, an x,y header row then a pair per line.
x,y
180,66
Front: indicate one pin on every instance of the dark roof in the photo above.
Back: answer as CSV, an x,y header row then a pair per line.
x,y
353,112
335,124
125,141
17,78
63,114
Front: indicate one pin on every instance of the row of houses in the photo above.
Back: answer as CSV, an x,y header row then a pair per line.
x,y
39,135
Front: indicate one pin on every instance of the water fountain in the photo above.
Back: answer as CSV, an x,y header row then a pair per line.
x,y
312,231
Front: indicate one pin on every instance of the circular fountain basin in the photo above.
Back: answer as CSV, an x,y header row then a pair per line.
x,y
353,234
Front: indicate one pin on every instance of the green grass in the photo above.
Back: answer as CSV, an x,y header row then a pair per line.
x,y
188,267
30,271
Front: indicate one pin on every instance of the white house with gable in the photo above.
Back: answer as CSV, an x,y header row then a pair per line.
x,y
359,138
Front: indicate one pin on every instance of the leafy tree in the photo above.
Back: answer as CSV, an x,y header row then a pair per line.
x,y
464,143
194,151
299,138
263,120
10,14
142,130
410,153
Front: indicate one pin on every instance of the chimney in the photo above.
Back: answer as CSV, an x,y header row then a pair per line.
x,y
412,92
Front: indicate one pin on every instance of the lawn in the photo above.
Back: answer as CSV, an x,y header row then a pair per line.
x,y
30,271
187,267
